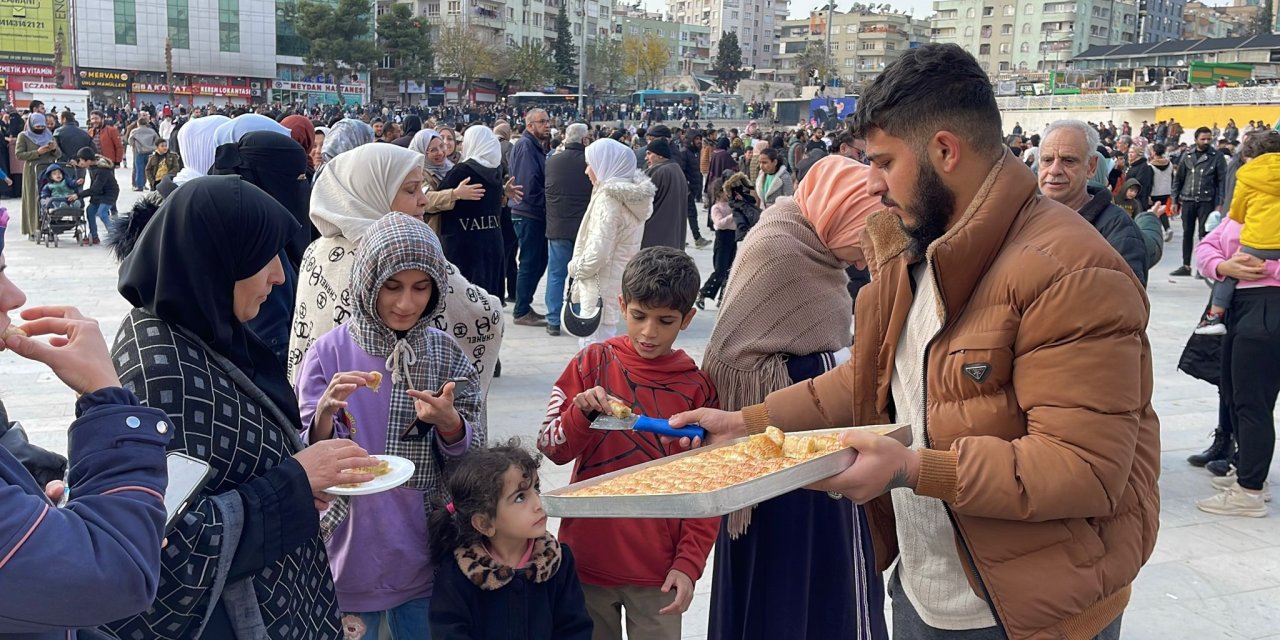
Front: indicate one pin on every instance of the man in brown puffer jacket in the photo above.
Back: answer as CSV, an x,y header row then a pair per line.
x,y
1012,338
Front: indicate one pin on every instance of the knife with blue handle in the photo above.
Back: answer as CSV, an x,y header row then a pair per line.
x,y
647,424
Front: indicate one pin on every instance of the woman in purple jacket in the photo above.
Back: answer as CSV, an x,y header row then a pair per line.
x,y
97,557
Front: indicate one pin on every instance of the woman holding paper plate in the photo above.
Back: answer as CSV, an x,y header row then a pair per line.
x,y
395,385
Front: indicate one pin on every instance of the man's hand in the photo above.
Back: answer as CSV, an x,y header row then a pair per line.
x,y
882,464
684,592
76,351
513,191
720,425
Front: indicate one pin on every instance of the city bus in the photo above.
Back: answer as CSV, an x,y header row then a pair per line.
x,y
524,100
651,99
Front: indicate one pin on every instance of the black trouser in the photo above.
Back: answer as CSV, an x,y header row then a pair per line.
x,y
722,255
1251,379
1164,218
693,213
1194,215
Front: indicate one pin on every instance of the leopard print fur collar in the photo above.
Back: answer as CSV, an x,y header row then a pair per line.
x,y
485,572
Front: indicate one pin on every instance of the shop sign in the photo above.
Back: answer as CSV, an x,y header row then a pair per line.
x,y
37,86
315,87
103,79
19,69
28,28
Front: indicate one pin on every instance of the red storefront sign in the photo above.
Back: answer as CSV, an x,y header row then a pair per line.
x,y
19,69
197,89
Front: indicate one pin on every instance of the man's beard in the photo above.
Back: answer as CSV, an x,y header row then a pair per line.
x,y
1202,147
933,206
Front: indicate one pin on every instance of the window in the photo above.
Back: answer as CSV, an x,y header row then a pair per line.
x,y
1025,47
433,9
1008,10
1006,29
851,46
511,13
969,13
849,62
987,12
1028,10
1004,48
986,31
889,46
1004,66
228,25
179,30
868,46
984,49
1026,29
126,19
968,32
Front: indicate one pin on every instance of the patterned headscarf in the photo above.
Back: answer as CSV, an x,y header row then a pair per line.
x,y
345,135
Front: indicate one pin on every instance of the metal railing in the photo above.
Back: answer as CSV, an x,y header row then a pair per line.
x,y
1208,96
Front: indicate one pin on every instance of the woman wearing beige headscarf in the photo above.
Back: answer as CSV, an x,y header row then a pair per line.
x,y
357,188
780,324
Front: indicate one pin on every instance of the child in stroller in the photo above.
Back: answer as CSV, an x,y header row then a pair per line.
x,y
61,208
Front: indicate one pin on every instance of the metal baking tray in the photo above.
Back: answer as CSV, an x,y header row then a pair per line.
x,y
712,503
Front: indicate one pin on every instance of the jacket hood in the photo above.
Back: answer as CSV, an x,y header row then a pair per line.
x,y
1161,164
102,162
636,197
1131,182
44,176
395,243
1261,173
1100,200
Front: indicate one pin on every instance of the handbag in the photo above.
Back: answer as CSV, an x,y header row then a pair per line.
x,y
581,326
1202,358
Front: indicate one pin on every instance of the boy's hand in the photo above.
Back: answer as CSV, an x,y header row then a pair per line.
x,y
437,410
595,399
683,585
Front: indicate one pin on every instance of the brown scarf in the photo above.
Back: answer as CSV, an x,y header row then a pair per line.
x,y
787,295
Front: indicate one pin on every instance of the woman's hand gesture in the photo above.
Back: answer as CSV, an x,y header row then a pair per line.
x,y
437,409
334,400
1243,267
468,191
76,351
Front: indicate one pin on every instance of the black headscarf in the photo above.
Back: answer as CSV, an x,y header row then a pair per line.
x,y
209,234
277,165
412,125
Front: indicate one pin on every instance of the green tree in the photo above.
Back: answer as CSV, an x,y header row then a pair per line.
x,y
406,39
565,54
1265,22
337,37
605,63
813,58
531,64
727,65
462,55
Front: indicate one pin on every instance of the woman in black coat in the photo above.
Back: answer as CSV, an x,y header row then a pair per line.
x,y
472,233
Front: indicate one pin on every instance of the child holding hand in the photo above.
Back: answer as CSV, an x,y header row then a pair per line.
x,y
499,567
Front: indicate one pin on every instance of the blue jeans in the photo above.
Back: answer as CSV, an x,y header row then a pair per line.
x,y
533,260
558,254
140,170
94,212
407,621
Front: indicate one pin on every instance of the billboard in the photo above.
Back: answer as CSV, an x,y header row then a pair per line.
x,y
28,28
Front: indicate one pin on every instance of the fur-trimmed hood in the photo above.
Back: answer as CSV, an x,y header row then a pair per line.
x,y
635,197
489,575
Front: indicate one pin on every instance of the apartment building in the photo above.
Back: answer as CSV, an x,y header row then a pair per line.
x,y
690,44
753,21
1015,37
862,42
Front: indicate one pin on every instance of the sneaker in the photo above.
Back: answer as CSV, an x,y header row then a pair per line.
x,y
1227,481
531,319
1168,235
553,329
701,242
1218,467
1211,325
1182,271
1235,501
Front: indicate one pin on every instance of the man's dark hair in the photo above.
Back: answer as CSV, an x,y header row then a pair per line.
x,y
67,117
770,153
35,104
86,154
1261,142
1158,149
933,88
1203,130
843,138
95,112
661,278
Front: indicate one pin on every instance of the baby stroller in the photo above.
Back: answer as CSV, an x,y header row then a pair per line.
x,y
57,213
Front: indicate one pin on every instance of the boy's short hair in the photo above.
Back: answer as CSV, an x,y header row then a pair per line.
x,y
86,153
661,278
1259,143
162,141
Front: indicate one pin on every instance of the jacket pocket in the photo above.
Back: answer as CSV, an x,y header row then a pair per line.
x,y
979,361
1086,547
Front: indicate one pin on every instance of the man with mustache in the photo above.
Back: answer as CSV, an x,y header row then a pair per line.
x,y
1001,326
1199,188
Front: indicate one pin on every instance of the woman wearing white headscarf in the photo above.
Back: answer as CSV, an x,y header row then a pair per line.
x,y
436,166
621,202
197,146
233,130
471,232
357,188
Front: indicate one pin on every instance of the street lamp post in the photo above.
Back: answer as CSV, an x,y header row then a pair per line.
x,y
582,63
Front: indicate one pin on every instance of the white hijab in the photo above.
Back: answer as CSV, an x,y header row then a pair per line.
x,y
197,147
611,160
235,129
479,144
357,188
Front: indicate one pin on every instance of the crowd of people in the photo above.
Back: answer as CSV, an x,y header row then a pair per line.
x,y
309,291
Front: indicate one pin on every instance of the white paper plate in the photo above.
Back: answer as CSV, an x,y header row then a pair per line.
x,y
401,470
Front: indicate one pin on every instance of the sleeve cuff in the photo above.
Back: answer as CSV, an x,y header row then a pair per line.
x,y
459,448
687,567
938,474
756,418
106,396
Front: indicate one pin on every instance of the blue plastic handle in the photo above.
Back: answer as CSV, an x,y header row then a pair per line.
x,y
664,428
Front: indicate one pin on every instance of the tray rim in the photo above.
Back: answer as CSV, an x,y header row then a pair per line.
x,y
710,503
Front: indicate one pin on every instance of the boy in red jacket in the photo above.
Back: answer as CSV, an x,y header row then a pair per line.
x,y
634,564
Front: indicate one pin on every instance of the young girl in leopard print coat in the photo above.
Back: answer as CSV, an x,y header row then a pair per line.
x,y
498,567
